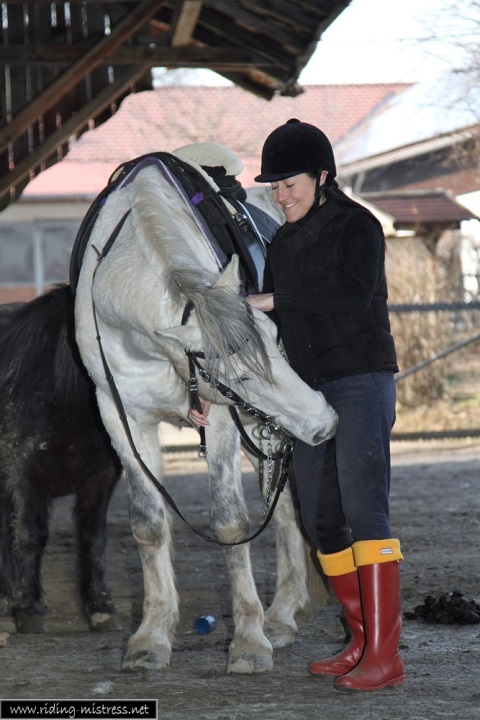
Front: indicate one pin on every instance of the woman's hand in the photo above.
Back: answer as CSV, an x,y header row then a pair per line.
x,y
263,302
199,419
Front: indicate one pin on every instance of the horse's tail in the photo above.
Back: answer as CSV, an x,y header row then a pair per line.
x,y
38,352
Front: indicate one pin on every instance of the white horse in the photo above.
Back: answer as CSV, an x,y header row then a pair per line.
x,y
134,298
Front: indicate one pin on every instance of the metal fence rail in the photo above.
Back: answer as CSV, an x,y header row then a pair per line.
x,y
436,307
408,436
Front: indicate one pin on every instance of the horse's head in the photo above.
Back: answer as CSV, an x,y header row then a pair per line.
x,y
220,323
240,351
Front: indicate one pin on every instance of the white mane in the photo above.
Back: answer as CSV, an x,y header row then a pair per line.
x,y
163,219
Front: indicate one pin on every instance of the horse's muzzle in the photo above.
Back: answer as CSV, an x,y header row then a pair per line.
x,y
327,432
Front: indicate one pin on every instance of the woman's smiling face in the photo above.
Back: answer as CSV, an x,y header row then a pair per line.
x,y
295,195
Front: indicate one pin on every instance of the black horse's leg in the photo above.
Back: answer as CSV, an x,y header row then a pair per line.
x,y
6,571
30,535
91,520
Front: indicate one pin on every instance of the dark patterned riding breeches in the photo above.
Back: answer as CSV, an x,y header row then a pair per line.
x,y
343,485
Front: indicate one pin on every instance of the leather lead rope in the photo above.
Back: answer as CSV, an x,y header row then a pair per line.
x,y
196,405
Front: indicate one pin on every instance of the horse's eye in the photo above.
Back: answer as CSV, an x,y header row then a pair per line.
x,y
238,380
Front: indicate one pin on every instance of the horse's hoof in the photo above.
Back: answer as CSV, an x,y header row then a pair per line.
x,y
280,635
103,622
250,664
147,650
280,626
246,660
156,658
30,624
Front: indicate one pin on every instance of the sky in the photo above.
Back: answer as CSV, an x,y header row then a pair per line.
x,y
371,41
378,41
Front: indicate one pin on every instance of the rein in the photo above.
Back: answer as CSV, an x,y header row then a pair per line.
x,y
193,357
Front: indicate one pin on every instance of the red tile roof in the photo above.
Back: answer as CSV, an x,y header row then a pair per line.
x,y
169,117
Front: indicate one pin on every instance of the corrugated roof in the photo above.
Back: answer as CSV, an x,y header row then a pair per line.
x,y
169,117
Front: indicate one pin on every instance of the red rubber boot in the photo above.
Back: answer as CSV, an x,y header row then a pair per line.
x,y
381,665
347,590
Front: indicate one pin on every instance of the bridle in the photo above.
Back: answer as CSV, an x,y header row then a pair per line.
x,y
267,430
268,427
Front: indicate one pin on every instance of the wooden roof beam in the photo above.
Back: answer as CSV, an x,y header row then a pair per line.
x,y
184,20
257,23
99,103
211,28
93,57
190,56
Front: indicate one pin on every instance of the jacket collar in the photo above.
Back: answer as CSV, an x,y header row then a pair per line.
x,y
315,219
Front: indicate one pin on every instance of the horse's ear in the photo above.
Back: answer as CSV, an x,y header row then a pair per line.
x,y
230,276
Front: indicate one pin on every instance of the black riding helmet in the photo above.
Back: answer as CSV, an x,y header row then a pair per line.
x,y
295,148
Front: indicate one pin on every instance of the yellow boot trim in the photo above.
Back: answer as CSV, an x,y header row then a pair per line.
x,y
372,552
339,563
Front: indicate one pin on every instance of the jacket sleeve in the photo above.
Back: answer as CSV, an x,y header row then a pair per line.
x,y
364,258
268,287
268,284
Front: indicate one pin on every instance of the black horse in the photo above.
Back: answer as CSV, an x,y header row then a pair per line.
x,y
52,444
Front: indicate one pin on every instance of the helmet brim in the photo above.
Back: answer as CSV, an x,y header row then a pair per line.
x,y
275,177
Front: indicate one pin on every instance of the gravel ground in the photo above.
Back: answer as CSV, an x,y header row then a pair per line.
x,y
435,510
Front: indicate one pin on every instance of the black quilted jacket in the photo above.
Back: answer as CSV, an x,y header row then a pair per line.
x,y
330,293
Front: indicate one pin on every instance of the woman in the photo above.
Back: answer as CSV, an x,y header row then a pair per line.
x,y
325,286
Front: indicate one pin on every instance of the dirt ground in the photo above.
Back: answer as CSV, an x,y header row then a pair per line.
x,y
435,510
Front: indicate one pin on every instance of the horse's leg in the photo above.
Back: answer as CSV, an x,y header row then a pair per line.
x,y
151,646
91,509
292,599
29,537
6,572
250,651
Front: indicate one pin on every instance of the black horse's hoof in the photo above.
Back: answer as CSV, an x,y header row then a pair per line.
x,y
101,622
30,624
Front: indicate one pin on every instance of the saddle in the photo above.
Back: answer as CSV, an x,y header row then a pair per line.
x,y
232,225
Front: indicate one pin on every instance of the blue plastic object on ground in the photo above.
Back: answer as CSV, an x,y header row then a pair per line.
x,y
205,624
